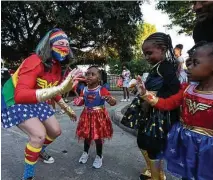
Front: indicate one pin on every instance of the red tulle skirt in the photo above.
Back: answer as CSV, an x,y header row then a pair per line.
x,y
94,124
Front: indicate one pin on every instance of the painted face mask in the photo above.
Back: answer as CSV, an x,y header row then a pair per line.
x,y
60,45
60,52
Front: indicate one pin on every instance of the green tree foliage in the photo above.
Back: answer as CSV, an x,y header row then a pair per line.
x,y
136,66
89,24
144,30
180,13
114,66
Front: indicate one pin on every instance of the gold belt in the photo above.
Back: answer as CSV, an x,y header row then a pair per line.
x,y
199,130
94,108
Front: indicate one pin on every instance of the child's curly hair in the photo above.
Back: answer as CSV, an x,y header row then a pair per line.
x,y
102,74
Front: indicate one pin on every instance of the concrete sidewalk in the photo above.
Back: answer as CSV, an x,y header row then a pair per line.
x,y
116,116
122,158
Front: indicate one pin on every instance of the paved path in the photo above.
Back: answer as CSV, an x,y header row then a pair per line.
x,y
122,159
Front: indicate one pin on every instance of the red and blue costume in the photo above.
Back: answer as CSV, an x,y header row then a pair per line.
x,y
94,121
189,151
25,94
30,76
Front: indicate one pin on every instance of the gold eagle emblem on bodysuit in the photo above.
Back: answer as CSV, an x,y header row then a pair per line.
x,y
194,106
44,84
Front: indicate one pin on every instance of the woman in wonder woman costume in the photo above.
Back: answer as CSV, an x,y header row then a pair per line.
x,y
189,151
24,97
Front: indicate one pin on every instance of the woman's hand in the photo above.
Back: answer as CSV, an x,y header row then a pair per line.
x,y
71,114
77,75
71,80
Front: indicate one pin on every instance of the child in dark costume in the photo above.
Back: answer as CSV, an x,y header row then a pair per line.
x,y
153,124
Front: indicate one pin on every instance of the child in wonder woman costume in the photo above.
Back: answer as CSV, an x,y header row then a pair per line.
x,y
24,97
189,151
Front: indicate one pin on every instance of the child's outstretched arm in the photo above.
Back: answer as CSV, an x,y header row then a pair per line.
x,y
110,100
167,104
107,96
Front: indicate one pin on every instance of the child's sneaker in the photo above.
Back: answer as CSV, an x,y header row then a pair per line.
x,y
128,99
46,158
66,100
84,157
97,162
123,100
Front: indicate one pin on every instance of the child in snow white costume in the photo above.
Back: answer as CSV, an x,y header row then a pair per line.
x,y
24,97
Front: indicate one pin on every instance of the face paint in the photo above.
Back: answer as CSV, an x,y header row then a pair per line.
x,y
60,52
60,45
